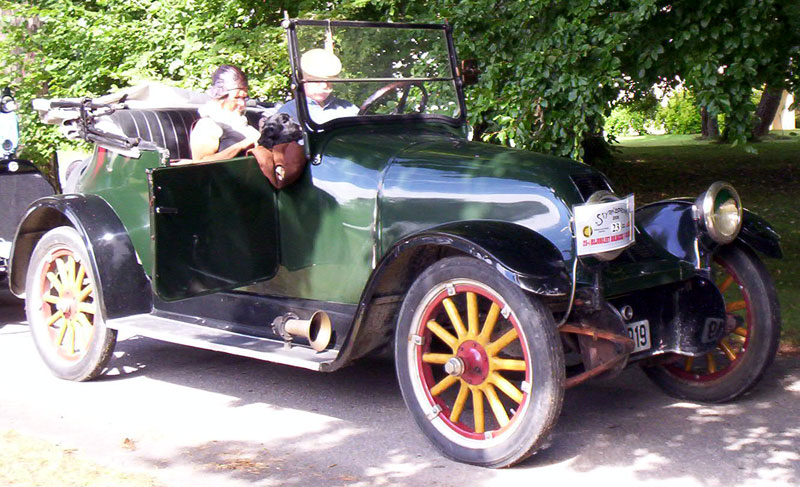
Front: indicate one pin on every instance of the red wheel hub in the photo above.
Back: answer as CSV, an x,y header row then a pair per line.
x,y
476,362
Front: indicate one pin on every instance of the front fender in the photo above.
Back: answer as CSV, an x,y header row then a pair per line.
x,y
671,224
123,288
523,256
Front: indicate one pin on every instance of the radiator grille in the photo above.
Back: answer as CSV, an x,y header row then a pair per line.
x,y
589,183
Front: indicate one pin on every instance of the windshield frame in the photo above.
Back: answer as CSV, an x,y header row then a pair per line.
x,y
297,81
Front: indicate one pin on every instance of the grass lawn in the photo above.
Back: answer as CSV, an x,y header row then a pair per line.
x,y
658,167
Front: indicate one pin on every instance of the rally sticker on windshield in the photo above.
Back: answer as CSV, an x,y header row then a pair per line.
x,y
602,227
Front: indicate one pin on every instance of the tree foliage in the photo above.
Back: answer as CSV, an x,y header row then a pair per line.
x,y
681,115
552,70
71,48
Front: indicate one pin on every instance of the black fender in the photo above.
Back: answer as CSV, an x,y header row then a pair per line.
x,y
123,287
671,224
521,255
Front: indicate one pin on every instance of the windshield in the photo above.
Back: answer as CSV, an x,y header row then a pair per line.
x,y
349,69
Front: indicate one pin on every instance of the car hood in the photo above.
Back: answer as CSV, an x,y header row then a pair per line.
x,y
469,159
436,180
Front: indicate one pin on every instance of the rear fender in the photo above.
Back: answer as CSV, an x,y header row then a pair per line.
x,y
671,224
123,288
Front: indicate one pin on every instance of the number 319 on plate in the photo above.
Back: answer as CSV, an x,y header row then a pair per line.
x,y
639,332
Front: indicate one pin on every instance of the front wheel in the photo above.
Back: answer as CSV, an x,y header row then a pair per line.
x,y
745,352
63,310
479,363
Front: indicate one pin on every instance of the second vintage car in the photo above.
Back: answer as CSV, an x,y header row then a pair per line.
x,y
500,277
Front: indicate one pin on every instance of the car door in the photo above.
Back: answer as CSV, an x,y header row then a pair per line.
x,y
214,227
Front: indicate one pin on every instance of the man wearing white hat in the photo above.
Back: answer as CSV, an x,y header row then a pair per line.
x,y
318,66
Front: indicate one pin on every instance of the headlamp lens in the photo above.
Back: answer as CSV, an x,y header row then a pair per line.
x,y
726,218
722,212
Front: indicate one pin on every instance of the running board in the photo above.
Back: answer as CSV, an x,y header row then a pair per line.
x,y
208,338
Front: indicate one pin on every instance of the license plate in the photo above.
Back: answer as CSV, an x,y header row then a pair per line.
x,y
603,227
639,332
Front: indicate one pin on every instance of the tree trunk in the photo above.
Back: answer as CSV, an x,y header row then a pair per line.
x,y
710,128
767,108
595,148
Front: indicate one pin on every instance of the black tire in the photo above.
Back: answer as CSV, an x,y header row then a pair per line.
x,y
746,351
489,354
63,310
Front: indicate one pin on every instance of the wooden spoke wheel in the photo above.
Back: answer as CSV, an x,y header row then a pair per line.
x,y
62,308
479,363
749,344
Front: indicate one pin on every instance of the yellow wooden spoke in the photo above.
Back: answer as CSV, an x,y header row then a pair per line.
x,y
55,282
70,268
472,313
63,275
443,334
436,358
455,317
501,342
712,364
89,308
477,410
497,406
508,364
85,330
84,321
726,284
491,320
741,331
461,400
507,387
62,332
53,318
49,298
736,306
81,274
443,385
72,339
85,292
688,365
725,346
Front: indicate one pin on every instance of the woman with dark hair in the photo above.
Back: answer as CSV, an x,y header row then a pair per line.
x,y
222,132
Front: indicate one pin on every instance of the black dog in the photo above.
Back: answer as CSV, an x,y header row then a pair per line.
x,y
278,129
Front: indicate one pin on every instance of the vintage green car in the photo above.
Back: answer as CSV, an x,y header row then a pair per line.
x,y
500,277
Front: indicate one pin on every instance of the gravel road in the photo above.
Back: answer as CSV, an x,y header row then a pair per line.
x,y
199,418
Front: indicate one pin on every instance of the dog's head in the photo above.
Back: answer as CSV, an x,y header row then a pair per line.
x,y
278,129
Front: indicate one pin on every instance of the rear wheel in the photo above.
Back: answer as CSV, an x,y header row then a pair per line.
x,y
63,309
479,363
745,352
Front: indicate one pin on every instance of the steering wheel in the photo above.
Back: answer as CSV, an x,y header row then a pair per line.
x,y
401,104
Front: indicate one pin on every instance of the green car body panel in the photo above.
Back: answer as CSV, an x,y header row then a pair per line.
x,y
370,188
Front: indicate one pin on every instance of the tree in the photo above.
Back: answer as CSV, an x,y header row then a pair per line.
x,y
721,50
552,70
90,47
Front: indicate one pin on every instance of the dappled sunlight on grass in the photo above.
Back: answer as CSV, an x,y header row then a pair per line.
x,y
658,167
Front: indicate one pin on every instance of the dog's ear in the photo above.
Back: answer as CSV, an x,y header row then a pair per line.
x,y
261,122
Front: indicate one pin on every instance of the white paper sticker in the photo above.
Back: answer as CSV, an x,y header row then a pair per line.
x,y
602,227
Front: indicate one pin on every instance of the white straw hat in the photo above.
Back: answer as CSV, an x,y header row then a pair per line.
x,y
319,63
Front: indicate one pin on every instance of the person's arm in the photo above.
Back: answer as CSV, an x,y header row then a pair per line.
x,y
204,142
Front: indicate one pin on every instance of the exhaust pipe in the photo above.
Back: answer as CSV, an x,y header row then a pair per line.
x,y
317,329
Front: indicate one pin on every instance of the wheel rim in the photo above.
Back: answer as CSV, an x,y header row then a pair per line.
x,y
733,346
469,361
67,306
